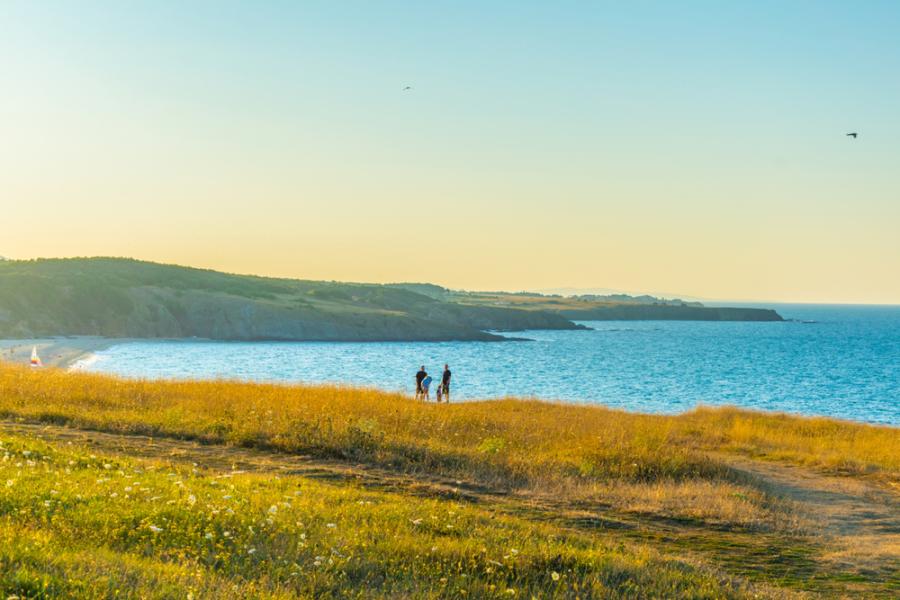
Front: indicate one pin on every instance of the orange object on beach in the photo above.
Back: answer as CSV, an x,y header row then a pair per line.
x,y
35,359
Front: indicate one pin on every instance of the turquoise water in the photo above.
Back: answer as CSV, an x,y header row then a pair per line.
x,y
841,361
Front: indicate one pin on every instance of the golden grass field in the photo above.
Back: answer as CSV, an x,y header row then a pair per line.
x,y
566,501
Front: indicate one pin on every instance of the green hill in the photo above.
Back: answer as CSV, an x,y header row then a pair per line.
x,y
116,297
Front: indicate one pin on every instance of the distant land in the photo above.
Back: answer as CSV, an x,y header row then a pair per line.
x,y
125,298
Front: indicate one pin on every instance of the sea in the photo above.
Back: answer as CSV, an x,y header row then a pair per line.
x,y
836,361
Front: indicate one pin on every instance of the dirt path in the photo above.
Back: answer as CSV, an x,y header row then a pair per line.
x,y
860,520
840,506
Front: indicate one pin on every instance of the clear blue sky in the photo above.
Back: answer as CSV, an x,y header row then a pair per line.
x,y
692,146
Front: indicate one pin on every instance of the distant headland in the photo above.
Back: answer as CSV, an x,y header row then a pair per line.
x,y
125,298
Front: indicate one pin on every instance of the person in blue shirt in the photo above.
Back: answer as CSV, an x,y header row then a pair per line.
x,y
426,383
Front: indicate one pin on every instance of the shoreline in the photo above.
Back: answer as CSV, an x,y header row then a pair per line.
x,y
62,352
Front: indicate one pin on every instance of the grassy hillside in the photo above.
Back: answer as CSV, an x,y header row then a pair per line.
x,y
395,498
507,443
127,298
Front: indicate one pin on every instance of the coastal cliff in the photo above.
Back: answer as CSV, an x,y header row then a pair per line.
x,y
124,298
133,299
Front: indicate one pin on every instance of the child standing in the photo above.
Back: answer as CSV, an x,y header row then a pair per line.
x,y
425,383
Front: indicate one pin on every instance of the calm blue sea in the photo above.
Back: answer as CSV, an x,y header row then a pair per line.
x,y
841,361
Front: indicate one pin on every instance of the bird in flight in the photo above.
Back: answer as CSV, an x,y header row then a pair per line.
x,y
407,88
853,135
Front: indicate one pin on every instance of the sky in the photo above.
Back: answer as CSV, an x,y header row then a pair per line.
x,y
693,148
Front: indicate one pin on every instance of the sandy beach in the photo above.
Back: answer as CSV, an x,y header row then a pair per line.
x,y
55,352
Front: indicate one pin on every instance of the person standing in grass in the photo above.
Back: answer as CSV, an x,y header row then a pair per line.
x,y
419,377
426,383
445,384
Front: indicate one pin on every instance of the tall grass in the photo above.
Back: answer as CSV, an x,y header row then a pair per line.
x,y
504,443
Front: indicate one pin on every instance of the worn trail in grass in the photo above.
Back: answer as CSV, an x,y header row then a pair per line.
x,y
854,547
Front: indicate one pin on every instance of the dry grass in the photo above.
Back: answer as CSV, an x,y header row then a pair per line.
x,y
661,464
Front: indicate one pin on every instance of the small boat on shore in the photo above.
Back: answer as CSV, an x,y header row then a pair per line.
x,y
35,359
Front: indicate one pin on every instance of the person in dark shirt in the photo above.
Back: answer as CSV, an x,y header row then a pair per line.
x,y
445,383
419,377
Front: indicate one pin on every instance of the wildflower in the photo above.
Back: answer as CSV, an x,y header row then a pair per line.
x,y
417,522
273,509
208,536
330,525
554,576
155,529
192,499
251,551
107,466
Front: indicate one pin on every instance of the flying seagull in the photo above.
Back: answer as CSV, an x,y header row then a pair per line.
x,y
409,87
853,135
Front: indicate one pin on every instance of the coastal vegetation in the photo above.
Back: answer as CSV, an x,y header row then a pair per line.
x,y
124,298
479,499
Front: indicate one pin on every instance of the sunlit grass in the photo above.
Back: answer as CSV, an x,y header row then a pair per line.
x,y
74,524
78,524
666,465
512,443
